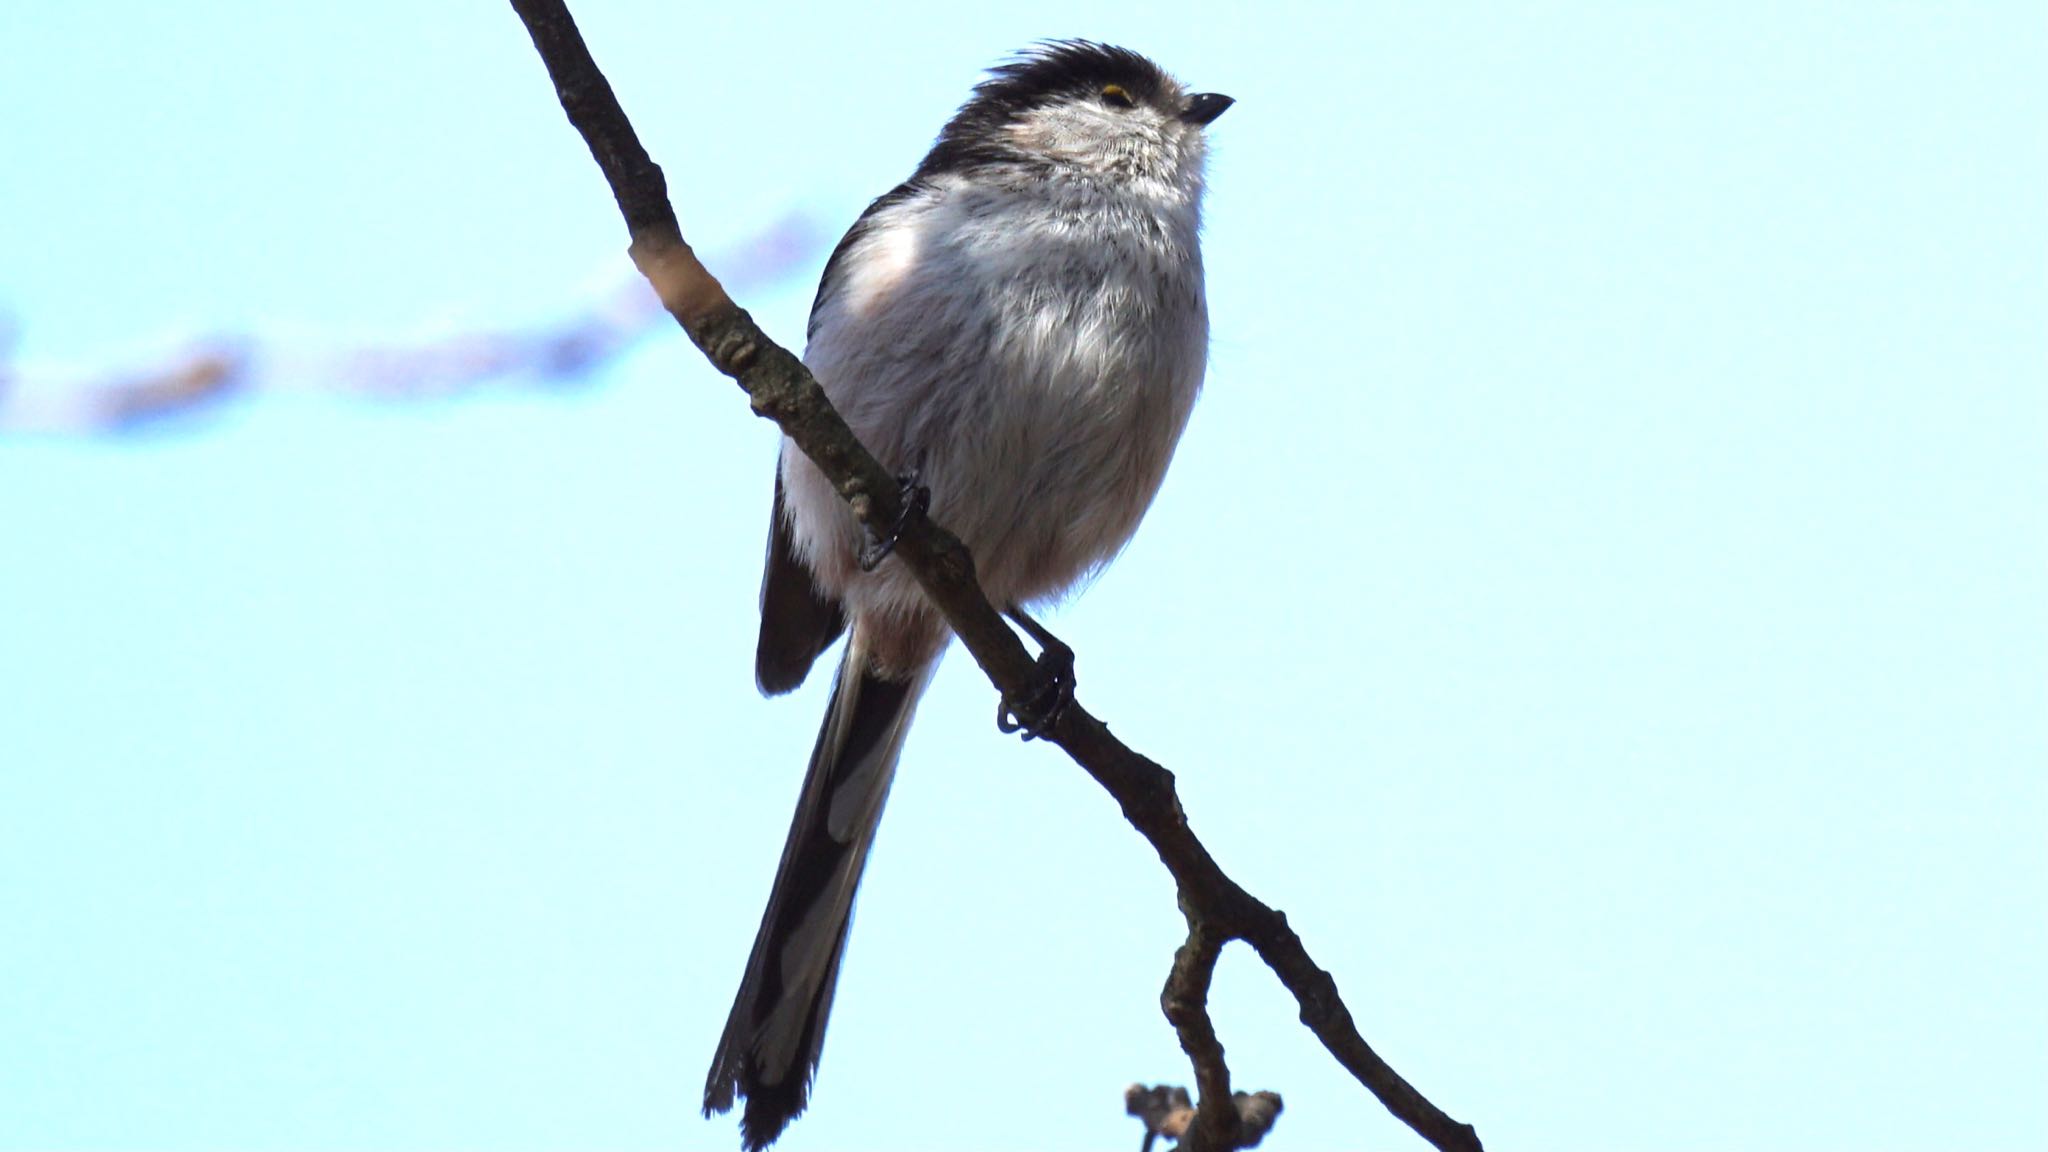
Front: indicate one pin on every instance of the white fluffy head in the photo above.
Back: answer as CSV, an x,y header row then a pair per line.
x,y
1080,108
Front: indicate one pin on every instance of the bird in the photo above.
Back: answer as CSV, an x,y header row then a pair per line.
x,y
1019,331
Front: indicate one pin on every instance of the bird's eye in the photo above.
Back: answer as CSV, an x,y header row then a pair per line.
x,y
1114,95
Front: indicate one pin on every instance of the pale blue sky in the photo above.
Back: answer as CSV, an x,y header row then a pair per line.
x,y
1600,597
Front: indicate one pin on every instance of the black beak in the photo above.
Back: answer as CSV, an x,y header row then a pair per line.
x,y
1204,107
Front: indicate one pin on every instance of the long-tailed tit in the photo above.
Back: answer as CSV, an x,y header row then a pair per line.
x,y
1021,328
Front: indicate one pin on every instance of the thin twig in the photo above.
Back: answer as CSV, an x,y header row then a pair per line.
x,y
1185,1001
1166,1110
782,390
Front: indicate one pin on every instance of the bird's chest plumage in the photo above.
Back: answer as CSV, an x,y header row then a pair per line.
x,y
1034,358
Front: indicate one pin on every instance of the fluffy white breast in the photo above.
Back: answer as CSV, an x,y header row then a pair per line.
x,y
1033,347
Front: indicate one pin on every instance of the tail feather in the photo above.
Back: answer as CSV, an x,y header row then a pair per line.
x,y
776,1031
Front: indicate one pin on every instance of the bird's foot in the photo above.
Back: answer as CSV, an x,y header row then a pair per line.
x,y
1035,715
916,500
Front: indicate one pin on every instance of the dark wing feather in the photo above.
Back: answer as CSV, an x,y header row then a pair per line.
x,y
797,621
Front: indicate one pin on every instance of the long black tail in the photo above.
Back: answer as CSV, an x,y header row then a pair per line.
x,y
777,1028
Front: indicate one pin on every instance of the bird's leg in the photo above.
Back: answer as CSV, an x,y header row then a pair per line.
x,y
1035,715
917,499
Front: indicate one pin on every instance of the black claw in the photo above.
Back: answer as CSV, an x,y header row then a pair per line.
x,y
1036,715
917,499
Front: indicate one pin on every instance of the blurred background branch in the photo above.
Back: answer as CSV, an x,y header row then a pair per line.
x,y
560,354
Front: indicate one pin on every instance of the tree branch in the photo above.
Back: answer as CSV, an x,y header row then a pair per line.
x,y
781,389
1185,1000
